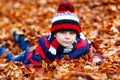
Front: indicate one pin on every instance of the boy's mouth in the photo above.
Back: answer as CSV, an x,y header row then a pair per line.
x,y
66,42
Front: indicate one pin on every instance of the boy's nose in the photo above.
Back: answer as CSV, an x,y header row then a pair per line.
x,y
67,35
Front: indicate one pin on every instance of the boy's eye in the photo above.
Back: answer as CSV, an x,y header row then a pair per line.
x,y
72,32
62,31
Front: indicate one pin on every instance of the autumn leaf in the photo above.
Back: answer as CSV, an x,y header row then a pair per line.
x,y
99,21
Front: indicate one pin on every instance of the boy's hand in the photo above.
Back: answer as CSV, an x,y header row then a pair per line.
x,y
66,57
54,63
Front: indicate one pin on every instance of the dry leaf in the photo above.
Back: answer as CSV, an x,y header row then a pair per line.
x,y
99,21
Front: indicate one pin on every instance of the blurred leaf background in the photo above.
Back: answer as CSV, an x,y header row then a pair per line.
x,y
100,22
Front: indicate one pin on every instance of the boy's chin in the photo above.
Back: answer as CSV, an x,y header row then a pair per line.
x,y
66,45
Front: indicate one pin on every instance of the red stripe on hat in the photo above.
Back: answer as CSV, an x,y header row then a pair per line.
x,y
64,11
66,26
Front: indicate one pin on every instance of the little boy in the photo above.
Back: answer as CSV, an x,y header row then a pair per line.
x,y
65,38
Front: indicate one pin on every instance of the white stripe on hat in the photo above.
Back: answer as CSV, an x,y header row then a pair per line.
x,y
61,17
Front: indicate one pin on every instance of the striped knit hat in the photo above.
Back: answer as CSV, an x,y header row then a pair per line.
x,y
65,19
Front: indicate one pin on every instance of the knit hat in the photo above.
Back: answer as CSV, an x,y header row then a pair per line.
x,y
65,19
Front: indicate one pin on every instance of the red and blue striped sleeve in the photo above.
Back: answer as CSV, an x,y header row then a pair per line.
x,y
80,48
43,49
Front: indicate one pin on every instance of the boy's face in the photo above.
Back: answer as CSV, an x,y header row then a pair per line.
x,y
66,38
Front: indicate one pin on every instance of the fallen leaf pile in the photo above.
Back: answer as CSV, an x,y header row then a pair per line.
x,y
100,22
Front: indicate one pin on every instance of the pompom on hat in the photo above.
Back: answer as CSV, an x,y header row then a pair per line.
x,y
65,19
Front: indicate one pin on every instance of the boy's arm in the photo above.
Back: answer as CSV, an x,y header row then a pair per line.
x,y
81,48
47,51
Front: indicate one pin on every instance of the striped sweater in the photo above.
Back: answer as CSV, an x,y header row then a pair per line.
x,y
43,51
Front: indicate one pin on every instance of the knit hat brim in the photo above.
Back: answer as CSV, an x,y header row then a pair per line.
x,y
57,28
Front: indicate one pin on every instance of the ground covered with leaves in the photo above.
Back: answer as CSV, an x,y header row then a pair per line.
x,y
100,22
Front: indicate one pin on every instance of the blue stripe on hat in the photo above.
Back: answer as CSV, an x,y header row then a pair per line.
x,y
65,21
